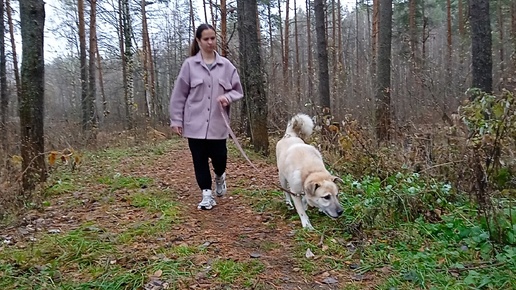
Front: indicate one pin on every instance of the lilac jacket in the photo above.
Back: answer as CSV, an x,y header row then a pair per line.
x,y
193,103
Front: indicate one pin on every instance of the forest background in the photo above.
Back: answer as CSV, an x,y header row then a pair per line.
x,y
421,87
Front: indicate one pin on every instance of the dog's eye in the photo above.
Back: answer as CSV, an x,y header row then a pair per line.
x,y
327,197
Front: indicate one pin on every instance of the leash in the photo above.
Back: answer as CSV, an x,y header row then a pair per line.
x,y
233,136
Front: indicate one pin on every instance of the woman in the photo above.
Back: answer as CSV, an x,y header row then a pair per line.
x,y
203,90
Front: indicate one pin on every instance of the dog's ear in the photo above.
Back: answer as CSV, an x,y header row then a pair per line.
x,y
313,186
336,179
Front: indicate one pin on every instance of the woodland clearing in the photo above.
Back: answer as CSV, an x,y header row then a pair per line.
x,y
126,218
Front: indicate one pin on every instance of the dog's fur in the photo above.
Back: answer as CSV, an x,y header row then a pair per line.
x,y
302,172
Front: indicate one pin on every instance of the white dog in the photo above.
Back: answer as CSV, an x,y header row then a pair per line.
x,y
303,174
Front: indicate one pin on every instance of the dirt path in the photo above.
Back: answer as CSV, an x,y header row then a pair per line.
x,y
233,229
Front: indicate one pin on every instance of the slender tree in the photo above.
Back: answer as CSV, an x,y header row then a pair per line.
x,y
4,98
223,28
86,122
31,102
482,63
92,83
322,55
286,52
383,77
13,48
374,37
252,74
129,62
309,58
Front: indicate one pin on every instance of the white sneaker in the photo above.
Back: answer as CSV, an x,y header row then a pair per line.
x,y
220,185
207,200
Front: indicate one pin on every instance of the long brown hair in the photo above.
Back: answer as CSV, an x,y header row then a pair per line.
x,y
194,48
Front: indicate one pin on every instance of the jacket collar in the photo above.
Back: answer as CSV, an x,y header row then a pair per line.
x,y
198,58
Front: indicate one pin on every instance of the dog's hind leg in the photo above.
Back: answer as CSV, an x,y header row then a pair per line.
x,y
288,199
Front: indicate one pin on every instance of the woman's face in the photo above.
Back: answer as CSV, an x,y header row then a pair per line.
x,y
207,42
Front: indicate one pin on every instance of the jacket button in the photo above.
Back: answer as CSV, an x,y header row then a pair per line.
x,y
207,120
208,109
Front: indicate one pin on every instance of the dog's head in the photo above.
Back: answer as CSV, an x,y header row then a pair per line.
x,y
322,192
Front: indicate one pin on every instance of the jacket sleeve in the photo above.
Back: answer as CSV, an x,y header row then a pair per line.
x,y
236,92
178,97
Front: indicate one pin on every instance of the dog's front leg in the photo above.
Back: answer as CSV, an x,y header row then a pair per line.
x,y
288,199
298,203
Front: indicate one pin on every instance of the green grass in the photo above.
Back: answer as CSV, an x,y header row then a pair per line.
x,y
389,227
230,271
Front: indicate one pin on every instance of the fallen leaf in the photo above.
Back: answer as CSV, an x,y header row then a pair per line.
x,y
158,273
309,254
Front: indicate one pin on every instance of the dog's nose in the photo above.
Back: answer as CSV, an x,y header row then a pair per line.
x,y
339,212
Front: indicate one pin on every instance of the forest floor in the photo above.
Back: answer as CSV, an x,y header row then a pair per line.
x,y
128,219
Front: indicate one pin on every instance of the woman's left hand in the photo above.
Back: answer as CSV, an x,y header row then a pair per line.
x,y
223,100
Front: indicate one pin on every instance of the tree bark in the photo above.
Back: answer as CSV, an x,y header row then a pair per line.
x,y
309,59
383,80
86,124
4,98
501,33
128,56
482,63
374,36
322,55
286,52
31,102
105,110
13,47
92,84
223,28
252,74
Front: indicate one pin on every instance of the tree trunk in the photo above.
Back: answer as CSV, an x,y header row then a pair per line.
x,y
374,45
13,48
252,78
145,63
86,121
31,102
4,98
128,55
286,52
482,63
223,28
192,18
449,51
105,110
501,31
322,55
513,37
383,80
92,91
297,69
413,31
121,43
309,59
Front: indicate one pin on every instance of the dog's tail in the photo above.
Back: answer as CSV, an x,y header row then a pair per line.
x,y
301,126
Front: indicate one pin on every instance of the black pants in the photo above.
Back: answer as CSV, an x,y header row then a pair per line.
x,y
202,150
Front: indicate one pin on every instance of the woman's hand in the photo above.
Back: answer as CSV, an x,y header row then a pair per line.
x,y
223,100
177,130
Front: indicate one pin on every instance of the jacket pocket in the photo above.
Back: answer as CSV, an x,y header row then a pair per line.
x,y
196,90
225,85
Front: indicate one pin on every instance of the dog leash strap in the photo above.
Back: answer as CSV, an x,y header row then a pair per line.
x,y
233,136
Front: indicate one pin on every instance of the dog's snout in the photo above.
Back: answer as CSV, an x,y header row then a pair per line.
x,y
339,211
